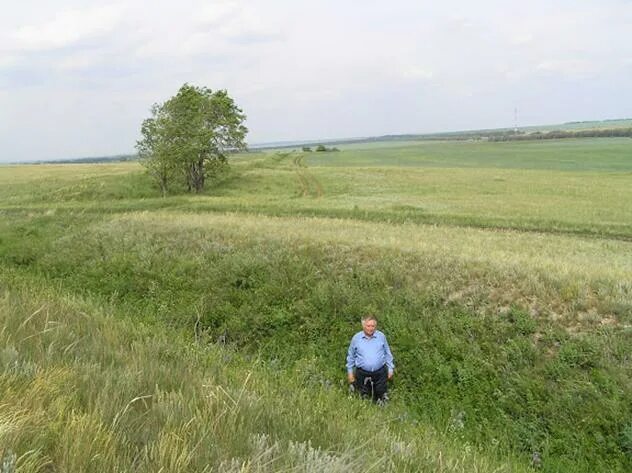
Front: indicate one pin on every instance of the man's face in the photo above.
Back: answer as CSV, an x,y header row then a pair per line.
x,y
369,326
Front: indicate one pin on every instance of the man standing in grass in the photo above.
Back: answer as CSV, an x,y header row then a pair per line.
x,y
370,361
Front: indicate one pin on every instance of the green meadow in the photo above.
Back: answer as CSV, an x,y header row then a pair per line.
x,y
208,332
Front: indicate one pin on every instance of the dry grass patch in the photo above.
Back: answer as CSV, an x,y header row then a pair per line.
x,y
572,277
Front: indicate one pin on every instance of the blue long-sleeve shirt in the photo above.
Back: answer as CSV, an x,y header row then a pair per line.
x,y
369,353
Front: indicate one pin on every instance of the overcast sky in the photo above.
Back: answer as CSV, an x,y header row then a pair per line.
x,y
77,77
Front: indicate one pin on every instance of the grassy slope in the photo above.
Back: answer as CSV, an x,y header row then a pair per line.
x,y
520,383
82,391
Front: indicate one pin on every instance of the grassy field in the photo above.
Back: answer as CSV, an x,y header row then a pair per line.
x,y
589,154
501,272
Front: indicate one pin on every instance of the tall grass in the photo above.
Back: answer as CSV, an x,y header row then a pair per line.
x,y
540,260
483,370
82,391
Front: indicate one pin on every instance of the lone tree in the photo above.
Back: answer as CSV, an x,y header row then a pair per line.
x,y
189,136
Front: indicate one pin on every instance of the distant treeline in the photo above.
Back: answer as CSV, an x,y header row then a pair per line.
x,y
509,135
607,120
503,134
93,159
558,134
591,128
319,148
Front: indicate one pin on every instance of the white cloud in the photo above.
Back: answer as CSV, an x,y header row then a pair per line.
x,y
521,39
302,69
412,72
217,13
78,62
568,67
68,27
218,29
8,61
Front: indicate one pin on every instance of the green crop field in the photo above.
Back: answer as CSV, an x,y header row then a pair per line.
x,y
208,332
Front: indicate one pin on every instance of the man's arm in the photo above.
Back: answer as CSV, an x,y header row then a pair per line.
x,y
389,359
351,361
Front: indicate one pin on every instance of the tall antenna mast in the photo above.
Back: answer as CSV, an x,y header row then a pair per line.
x,y
515,120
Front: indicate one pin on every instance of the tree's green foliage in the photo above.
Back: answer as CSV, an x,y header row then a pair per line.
x,y
190,135
322,148
559,134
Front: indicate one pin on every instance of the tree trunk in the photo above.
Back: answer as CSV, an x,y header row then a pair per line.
x,y
163,185
198,175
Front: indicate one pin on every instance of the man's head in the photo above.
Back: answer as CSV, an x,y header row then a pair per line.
x,y
369,324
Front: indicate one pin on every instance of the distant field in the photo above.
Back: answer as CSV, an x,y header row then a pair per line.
x,y
570,186
579,186
588,154
584,125
502,273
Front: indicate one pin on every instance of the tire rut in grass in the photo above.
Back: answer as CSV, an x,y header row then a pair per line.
x,y
309,185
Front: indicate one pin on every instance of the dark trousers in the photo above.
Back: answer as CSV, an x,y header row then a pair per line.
x,y
372,384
